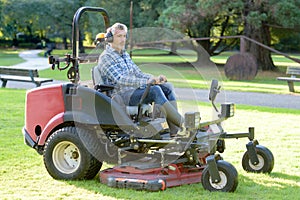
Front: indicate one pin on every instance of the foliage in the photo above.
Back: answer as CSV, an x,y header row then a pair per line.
x,y
203,19
270,22
255,19
38,18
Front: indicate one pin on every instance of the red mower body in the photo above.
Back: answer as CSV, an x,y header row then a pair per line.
x,y
50,108
44,108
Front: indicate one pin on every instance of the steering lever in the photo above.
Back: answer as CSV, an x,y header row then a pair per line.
x,y
56,61
146,92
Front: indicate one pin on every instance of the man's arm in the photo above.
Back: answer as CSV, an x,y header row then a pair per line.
x,y
118,75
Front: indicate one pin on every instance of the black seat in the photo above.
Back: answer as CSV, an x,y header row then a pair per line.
x,y
108,90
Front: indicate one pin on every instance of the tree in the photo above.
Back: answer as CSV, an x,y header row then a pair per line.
x,y
195,20
148,12
55,19
39,18
256,19
261,18
14,20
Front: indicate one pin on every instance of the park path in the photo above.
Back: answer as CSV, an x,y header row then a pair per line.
x,y
291,101
33,61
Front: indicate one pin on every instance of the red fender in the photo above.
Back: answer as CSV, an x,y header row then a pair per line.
x,y
44,108
55,121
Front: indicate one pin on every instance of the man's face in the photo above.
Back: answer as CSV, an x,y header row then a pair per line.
x,y
119,40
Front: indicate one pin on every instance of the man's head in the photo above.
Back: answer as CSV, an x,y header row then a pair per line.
x,y
116,36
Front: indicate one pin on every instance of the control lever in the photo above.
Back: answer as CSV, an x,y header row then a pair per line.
x,y
56,62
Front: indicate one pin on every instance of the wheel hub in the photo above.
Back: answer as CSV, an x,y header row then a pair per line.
x,y
75,155
222,183
259,165
66,157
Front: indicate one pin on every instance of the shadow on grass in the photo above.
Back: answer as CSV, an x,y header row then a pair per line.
x,y
270,186
285,176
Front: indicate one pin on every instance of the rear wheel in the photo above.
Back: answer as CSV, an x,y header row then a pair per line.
x,y
265,161
65,156
228,174
99,146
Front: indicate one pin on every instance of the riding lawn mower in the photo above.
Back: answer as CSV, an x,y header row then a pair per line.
x,y
76,128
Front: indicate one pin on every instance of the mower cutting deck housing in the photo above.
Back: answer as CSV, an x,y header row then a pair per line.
x,y
152,179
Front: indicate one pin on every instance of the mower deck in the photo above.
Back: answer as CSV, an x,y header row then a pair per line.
x,y
152,178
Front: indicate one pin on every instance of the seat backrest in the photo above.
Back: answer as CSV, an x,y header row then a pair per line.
x,y
96,76
131,110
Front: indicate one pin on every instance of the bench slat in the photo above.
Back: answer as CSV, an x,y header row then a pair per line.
x,y
19,72
288,79
24,78
290,82
293,70
23,75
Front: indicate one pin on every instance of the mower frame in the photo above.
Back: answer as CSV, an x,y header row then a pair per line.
x,y
64,128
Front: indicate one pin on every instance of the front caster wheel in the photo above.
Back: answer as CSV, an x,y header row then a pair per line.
x,y
265,158
228,174
65,156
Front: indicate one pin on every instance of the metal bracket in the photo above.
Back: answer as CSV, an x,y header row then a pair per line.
x,y
213,169
251,133
252,153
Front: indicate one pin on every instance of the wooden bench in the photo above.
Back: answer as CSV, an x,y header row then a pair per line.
x,y
293,71
23,75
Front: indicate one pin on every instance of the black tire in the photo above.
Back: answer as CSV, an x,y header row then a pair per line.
x,y
65,156
265,157
99,146
229,178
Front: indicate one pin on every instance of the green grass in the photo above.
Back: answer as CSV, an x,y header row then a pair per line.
x,y
23,175
9,57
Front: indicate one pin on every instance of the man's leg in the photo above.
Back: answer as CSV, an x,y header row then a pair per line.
x,y
174,119
169,92
173,128
159,114
157,95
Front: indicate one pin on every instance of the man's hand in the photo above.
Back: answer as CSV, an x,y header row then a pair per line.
x,y
153,80
162,78
157,80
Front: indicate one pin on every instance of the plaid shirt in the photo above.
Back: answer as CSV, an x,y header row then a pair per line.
x,y
118,69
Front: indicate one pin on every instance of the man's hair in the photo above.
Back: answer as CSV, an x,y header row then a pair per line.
x,y
117,26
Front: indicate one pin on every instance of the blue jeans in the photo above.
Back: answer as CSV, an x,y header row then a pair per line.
x,y
159,94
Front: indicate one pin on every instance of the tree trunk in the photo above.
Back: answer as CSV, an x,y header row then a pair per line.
x,y
173,48
262,55
65,42
203,57
15,42
81,47
260,34
205,44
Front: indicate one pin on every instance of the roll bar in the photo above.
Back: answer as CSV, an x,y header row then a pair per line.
x,y
75,25
73,72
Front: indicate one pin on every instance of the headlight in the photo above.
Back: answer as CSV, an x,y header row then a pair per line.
x,y
227,110
192,120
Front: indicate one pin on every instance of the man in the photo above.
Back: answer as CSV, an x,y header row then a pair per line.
x,y
117,68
